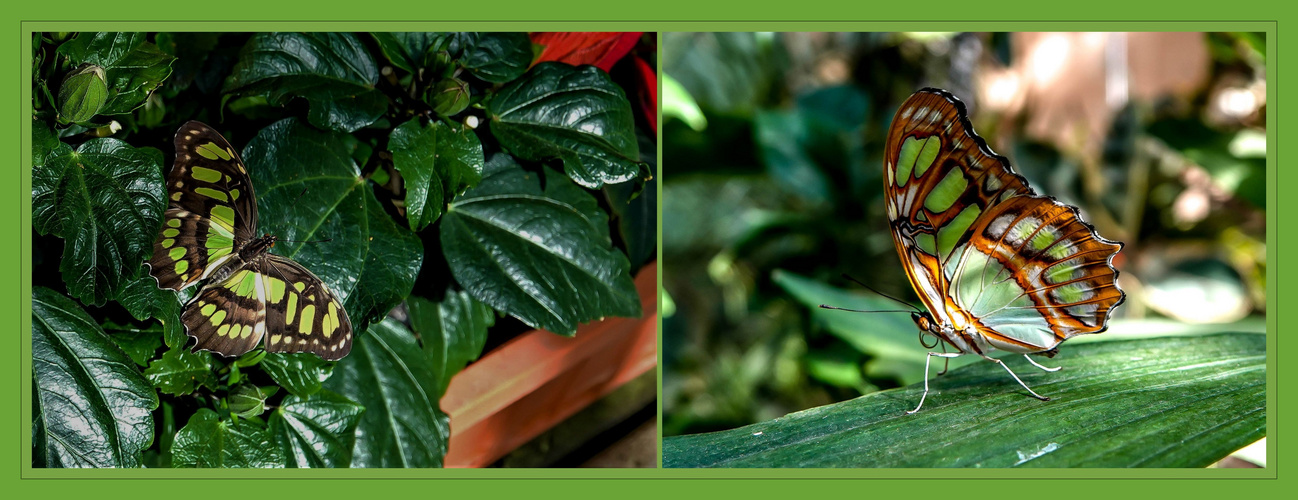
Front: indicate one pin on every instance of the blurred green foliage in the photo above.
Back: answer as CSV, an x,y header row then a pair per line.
x,y
772,189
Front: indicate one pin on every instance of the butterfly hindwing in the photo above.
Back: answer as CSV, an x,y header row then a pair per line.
x,y
228,318
302,314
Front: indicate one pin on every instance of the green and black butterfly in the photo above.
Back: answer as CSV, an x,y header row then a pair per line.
x,y
210,233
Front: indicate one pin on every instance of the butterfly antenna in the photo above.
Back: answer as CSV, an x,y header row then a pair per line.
x,y
823,306
870,288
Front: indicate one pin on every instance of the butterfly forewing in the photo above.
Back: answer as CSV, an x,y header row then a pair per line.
x,y
211,209
980,248
209,173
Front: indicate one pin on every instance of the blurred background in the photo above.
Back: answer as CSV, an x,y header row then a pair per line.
x,y
772,162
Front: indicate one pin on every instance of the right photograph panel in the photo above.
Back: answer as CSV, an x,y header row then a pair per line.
x,y
964,250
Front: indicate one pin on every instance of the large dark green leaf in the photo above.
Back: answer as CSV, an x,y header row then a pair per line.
x,y
105,200
889,337
1163,402
300,373
317,432
180,371
133,67
310,194
208,441
139,344
783,137
437,163
413,51
577,115
453,332
144,300
332,71
635,208
541,255
45,142
406,49
92,407
390,377
499,57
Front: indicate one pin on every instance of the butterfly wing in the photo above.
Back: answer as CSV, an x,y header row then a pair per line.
x,y
211,209
302,314
979,247
228,318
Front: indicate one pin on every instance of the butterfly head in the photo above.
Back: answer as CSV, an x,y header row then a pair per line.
x,y
926,327
923,321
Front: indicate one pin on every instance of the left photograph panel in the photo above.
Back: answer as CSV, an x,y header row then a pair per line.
x,y
369,249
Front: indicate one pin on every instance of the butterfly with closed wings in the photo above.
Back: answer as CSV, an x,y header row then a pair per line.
x,y
997,266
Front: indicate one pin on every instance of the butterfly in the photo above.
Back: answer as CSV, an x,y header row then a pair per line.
x,y
998,266
250,296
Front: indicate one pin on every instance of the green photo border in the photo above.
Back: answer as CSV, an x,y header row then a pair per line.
x,y
661,16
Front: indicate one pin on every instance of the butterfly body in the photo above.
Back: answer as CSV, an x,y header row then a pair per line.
x,y
997,266
251,296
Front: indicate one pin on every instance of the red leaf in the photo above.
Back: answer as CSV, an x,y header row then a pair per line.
x,y
577,48
647,90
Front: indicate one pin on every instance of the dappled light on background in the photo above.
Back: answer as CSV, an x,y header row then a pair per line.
x,y
1047,59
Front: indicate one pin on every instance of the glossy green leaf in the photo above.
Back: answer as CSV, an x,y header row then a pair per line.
x,y
45,143
317,432
180,371
577,115
453,332
133,66
105,200
301,374
91,406
389,376
139,344
406,49
332,71
890,337
310,194
1164,402
634,208
144,300
437,163
208,441
541,255
349,113
499,57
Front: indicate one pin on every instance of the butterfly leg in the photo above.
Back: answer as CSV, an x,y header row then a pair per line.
x,y
927,360
1038,365
1016,378
946,363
